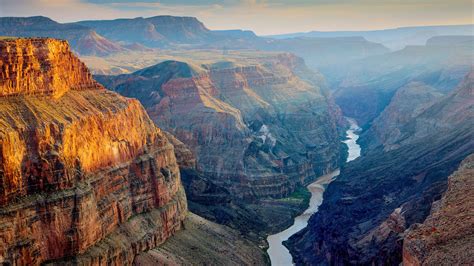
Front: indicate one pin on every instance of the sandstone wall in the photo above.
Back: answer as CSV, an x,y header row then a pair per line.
x,y
85,176
40,66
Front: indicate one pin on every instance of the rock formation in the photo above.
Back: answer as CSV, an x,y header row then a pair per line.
x,y
204,243
376,198
447,235
260,126
83,40
407,103
367,85
41,67
158,31
257,130
85,176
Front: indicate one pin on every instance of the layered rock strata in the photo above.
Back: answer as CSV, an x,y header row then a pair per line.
x,y
367,209
407,103
85,176
259,130
447,235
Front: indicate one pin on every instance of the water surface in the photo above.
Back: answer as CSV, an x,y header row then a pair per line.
x,y
279,254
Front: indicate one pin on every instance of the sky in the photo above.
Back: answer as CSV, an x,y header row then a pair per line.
x,y
262,17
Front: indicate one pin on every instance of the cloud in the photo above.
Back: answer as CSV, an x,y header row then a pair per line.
x,y
262,16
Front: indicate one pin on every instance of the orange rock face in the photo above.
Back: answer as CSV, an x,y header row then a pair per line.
x,y
40,66
85,175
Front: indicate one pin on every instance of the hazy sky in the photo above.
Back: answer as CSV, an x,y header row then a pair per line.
x,y
263,17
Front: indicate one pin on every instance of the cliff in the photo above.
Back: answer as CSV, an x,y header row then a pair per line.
x,y
446,236
407,103
367,209
41,67
259,125
409,116
85,175
259,130
83,40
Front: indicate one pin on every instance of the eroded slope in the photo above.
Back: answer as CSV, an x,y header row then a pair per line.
x,y
377,197
447,235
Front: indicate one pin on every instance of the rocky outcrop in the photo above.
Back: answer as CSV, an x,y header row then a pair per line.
x,y
375,198
446,236
41,67
204,243
259,130
85,175
83,40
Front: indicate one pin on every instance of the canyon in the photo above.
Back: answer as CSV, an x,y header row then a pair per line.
x,y
86,176
160,141
365,87
260,127
369,206
278,253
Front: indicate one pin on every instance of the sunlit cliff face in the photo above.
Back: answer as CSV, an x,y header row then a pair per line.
x,y
41,67
32,68
76,162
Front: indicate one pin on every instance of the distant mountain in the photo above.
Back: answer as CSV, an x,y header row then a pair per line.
x,y
327,55
393,38
156,31
324,54
106,37
367,85
83,40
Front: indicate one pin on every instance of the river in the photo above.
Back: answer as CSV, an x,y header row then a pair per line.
x,y
279,254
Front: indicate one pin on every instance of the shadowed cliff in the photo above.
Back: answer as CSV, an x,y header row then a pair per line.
x,y
378,196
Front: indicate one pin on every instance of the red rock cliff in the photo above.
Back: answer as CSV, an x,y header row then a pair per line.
x,y
84,173
447,235
40,66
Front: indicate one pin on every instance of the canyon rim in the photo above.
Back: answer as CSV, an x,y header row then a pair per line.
x,y
236,132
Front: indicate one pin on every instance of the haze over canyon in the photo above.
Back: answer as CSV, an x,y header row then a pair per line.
x,y
159,141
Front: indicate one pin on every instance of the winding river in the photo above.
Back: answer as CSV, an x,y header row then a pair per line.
x,y
279,255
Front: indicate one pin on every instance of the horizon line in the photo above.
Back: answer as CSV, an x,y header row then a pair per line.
x,y
244,29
